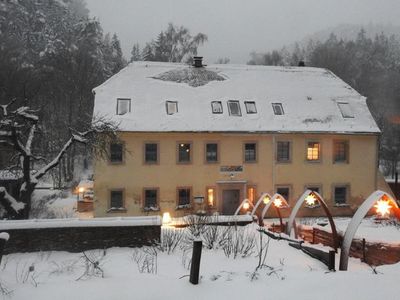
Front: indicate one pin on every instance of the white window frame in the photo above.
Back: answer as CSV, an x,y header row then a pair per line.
x,y
278,106
119,100
171,107
251,107
235,102
216,107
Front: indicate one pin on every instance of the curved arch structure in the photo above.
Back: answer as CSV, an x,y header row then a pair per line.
x,y
268,205
321,201
260,200
241,205
356,221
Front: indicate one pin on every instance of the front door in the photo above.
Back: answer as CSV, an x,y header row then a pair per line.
x,y
230,201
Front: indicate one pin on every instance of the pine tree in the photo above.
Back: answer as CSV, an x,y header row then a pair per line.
x,y
135,53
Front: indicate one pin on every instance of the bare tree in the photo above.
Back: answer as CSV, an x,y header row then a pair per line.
x,y
17,130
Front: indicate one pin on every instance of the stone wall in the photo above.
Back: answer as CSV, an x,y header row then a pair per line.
x,y
77,239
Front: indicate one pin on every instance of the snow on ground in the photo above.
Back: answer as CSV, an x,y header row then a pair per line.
x,y
294,275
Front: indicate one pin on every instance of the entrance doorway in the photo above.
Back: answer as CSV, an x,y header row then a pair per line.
x,y
230,201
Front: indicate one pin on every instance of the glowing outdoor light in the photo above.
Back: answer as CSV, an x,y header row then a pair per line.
x,y
81,189
278,202
310,200
383,207
246,205
166,219
266,199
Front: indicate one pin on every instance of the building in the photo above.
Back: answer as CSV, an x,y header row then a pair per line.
x,y
203,138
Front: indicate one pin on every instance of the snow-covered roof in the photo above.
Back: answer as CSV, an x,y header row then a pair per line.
x,y
312,100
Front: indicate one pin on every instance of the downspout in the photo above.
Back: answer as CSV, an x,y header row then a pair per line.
x,y
273,164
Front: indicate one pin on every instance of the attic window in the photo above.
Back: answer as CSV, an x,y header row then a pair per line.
x,y
172,107
278,109
123,106
250,107
234,108
216,107
345,109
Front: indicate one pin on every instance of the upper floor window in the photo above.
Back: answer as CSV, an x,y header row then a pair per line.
x,y
116,153
278,109
172,107
283,151
216,107
313,151
234,108
184,152
250,107
123,106
151,153
340,151
250,152
211,152
345,109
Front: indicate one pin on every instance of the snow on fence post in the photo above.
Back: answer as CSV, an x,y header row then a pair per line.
x,y
4,236
195,267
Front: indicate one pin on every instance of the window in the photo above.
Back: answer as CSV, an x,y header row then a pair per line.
x,y
250,107
123,106
211,196
313,151
284,191
116,153
234,108
150,199
183,197
251,194
340,151
184,152
216,107
314,188
172,107
346,110
278,109
283,151
250,152
116,199
340,194
211,152
151,153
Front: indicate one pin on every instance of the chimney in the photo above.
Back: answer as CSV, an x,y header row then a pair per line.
x,y
198,61
302,63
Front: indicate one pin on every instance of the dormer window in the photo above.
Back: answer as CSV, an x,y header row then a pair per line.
x,y
278,109
172,107
234,108
345,109
250,107
123,106
216,107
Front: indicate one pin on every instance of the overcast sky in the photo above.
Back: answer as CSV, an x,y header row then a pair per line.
x,y
237,27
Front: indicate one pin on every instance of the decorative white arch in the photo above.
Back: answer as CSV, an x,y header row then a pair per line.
x,y
321,201
260,200
241,205
268,205
356,221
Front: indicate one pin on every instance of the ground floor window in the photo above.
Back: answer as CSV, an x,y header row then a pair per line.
x,y
251,194
210,196
116,199
340,194
284,191
184,196
150,199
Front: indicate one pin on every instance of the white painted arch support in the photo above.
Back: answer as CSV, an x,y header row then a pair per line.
x,y
268,205
295,210
260,200
241,205
356,221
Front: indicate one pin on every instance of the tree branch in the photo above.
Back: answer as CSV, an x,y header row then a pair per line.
x,y
12,206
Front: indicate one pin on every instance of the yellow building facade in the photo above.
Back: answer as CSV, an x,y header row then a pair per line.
x,y
203,139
